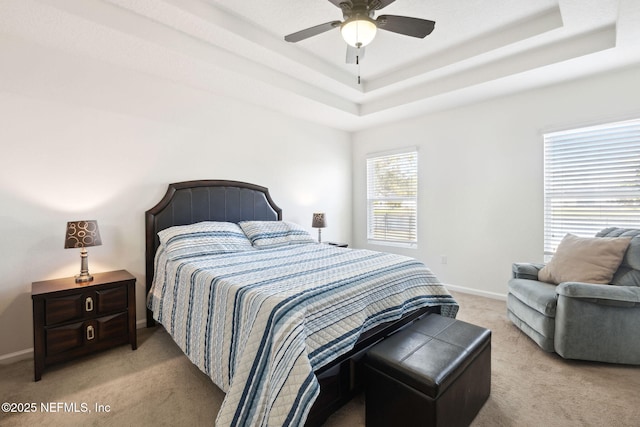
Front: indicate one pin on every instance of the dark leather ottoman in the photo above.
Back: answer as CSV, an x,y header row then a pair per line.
x,y
436,372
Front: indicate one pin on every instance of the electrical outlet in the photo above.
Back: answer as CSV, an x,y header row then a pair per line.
x,y
443,259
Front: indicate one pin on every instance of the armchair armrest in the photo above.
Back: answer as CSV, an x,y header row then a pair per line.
x,y
526,270
627,296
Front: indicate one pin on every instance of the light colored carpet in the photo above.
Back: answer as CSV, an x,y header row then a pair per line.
x,y
157,385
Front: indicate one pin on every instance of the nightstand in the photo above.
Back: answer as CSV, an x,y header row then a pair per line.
x,y
338,244
74,319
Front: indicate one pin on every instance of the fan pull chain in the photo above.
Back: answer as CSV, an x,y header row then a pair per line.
x,y
358,64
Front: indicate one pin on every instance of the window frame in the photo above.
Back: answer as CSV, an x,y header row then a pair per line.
x,y
411,202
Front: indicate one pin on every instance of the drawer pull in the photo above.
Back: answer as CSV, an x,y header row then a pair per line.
x,y
91,334
88,304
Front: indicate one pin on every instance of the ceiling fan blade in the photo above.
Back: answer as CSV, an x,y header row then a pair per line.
x,y
354,54
313,31
379,4
414,27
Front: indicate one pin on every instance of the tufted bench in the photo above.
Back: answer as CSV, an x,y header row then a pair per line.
x,y
436,372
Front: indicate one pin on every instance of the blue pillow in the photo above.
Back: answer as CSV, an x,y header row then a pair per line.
x,y
203,238
272,234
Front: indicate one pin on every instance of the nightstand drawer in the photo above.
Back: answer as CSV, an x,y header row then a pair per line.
x,y
64,338
110,300
110,327
69,337
88,304
63,309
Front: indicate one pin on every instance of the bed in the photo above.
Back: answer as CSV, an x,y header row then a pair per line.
x,y
284,359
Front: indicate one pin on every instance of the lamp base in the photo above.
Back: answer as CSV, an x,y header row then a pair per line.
x,y
83,278
84,275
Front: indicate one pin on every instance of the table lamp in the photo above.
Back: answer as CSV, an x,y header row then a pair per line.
x,y
319,222
82,234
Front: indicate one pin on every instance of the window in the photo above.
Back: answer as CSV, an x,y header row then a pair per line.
x,y
591,180
392,198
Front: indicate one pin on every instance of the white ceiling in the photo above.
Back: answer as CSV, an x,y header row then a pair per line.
x,y
479,49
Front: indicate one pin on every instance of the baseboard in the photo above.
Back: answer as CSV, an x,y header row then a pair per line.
x,y
492,295
7,359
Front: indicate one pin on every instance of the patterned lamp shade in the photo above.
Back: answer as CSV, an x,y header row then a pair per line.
x,y
82,234
319,220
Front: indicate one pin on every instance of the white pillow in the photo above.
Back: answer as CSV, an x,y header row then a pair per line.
x,y
271,234
585,259
203,238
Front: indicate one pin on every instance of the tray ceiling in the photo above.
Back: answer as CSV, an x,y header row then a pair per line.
x,y
479,49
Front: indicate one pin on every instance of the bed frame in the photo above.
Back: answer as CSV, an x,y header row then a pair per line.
x,y
233,201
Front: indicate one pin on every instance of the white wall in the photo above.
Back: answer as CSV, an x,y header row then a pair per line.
x,y
83,139
481,175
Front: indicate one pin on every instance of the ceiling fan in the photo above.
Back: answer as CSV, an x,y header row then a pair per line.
x,y
359,28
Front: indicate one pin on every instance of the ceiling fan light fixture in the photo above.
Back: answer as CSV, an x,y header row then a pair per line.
x,y
358,31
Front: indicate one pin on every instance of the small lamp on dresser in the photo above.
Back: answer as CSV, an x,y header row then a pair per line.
x,y
83,234
319,222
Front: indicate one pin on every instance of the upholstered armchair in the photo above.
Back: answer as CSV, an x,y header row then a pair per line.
x,y
598,322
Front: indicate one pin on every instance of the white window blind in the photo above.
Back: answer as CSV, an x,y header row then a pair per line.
x,y
392,198
591,180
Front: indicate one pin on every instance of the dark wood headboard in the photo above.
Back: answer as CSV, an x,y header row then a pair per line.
x,y
205,200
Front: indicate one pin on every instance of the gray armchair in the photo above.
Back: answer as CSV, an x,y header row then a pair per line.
x,y
582,320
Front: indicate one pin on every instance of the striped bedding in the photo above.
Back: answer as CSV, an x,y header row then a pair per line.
x,y
260,322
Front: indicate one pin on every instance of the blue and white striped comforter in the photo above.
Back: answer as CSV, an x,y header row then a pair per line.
x,y
260,322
